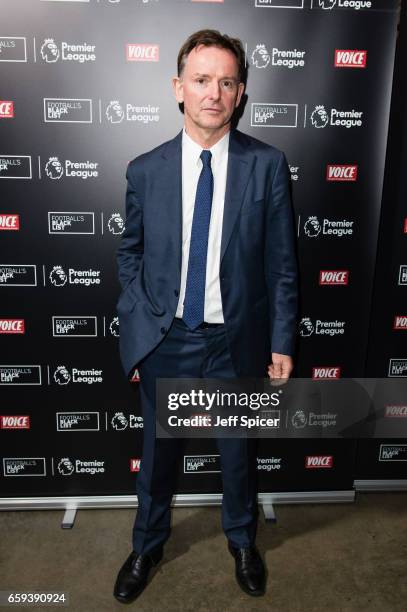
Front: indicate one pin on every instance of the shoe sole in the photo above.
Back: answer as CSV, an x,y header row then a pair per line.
x,y
256,593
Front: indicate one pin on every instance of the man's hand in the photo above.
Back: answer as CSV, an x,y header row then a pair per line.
x,y
281,366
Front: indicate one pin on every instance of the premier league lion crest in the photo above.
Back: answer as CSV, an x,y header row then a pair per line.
x,y
115,112
119,421
306,327
319,117
312,227
116,224
49,51
62,376
53,168
327,4
114,327
58,276
260,56
65,466
299,420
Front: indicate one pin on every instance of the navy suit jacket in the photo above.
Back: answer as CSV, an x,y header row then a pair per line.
x,y
258,268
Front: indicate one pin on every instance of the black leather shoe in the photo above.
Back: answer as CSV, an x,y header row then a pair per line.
x,y
133,575
250,572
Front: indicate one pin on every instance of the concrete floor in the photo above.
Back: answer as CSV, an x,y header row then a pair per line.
x,y
320,557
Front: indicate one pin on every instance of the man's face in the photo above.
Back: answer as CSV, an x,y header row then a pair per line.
x,y
209,87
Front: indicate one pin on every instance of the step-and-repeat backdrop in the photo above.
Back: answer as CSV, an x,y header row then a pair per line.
x,y
85,87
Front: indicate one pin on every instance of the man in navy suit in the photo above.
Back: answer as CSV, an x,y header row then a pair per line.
x,y
208,271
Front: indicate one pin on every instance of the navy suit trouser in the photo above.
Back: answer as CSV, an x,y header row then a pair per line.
x,y
183,353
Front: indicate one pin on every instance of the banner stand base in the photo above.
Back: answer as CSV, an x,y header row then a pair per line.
x,y
381,485
72,504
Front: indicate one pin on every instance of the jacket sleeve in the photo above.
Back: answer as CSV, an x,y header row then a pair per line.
x,y
130,251
281,262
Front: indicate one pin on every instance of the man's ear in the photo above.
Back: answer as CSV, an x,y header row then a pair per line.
x,y
240,92
177,86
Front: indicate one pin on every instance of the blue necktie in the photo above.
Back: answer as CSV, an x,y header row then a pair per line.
x,y
194,302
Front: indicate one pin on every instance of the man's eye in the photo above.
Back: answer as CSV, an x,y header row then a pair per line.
x,y
228,84
200,81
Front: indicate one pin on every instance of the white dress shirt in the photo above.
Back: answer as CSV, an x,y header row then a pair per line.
x,y
191,169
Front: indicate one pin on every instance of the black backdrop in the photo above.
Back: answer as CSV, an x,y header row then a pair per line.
x,y
85,88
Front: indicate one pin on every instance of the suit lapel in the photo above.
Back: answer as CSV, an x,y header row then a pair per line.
x,y
240,167
172,179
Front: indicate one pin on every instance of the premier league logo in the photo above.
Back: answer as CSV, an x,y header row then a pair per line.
x,y
260,56
58,276
319,117
62,376
49,51
53,168
312,227
115,112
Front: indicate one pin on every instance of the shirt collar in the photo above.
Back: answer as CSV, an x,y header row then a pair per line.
x,y
194,150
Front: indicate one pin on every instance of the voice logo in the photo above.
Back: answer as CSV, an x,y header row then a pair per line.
x,y
333,277
396,411
350,58
12,326
14,422
319,461
142,52
135,464
400,322
326,372
341,172
9,222
6,109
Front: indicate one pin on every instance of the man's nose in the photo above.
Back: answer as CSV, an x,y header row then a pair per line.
x,y
214,92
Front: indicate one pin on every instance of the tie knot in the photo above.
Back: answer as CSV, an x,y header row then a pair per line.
x,y
206,157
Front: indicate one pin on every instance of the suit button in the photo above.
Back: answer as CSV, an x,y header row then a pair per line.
x,y
163,330
176,292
